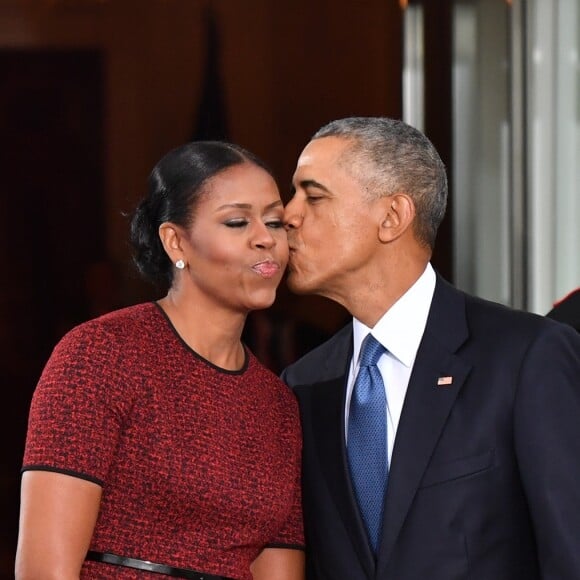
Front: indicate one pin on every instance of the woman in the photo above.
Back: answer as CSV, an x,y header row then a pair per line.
x,y
157,443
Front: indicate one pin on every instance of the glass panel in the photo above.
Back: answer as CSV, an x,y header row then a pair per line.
x,y
553,150
481,142
413,67
516,147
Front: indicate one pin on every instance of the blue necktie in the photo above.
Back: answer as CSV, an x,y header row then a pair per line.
x,y
367,439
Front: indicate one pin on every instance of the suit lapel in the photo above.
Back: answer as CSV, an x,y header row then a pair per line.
x,y
426,408
328,407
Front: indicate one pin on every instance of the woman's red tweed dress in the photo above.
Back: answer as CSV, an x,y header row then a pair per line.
x,y
199,465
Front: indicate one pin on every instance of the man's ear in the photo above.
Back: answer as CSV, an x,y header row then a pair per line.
x,y
397,217
171,238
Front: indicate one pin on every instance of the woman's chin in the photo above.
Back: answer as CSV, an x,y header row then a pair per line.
x,y
262,300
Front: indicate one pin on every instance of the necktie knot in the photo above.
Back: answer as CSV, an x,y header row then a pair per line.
x,y
371,351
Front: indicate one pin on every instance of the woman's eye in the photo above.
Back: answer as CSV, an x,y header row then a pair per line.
x,y
236,223
275,224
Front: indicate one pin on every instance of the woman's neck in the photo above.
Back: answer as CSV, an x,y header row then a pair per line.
x,y
212,332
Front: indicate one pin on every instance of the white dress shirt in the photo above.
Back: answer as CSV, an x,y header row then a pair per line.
x,y
400,331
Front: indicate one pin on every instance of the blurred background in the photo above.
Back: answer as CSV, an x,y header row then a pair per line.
x,y
94,92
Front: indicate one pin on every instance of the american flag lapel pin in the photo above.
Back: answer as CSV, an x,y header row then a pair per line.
x,y
444,381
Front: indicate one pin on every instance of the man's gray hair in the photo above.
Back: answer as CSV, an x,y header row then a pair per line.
x,y
388,156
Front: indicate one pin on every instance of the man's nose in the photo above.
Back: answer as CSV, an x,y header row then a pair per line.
x,y
293,214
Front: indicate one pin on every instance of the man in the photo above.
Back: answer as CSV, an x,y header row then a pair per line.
x,y
471,467
567,309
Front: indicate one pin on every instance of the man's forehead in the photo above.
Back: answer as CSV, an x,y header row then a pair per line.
x,y
321,151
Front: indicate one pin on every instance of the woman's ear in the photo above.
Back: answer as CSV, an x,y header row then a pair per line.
x,y
171,239
397,218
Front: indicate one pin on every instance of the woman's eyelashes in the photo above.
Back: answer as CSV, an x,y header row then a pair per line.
x,y
273,223
236,223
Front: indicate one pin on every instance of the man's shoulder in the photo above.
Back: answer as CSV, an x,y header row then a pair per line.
x,y
509,328
327,361
504,318
459,320
488,312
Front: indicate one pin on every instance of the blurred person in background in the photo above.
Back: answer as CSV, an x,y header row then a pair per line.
x,y
567,309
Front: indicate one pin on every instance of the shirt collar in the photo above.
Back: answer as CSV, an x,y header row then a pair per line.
x,y
401,328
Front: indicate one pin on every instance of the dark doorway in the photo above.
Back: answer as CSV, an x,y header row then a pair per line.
x,y
52,229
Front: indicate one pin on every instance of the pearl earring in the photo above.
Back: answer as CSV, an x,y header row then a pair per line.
x,y
180,264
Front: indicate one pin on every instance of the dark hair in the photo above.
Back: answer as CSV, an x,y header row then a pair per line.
x,y
174,188
389,156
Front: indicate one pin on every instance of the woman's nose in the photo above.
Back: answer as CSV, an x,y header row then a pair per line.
x,y
263,237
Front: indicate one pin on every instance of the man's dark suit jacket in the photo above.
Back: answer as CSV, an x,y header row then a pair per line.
x,y
484,481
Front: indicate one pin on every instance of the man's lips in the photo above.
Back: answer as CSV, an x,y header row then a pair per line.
x,y
267,268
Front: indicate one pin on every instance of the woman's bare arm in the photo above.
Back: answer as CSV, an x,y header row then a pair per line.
x,y
57,517
279,564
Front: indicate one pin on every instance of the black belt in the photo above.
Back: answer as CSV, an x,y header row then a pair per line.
x,y
150,566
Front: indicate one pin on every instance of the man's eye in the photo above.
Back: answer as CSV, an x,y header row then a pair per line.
x,y
236,223
275,224
314,198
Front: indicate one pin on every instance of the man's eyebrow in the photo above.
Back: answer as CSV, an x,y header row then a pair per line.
x,y
306,183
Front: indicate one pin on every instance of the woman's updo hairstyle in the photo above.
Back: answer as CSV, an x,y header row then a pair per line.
x,y
174,189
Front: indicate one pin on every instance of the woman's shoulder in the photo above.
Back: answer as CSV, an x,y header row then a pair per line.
x,y
129,319
123,327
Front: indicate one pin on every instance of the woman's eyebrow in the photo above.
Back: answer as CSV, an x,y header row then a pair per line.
x,y
248,205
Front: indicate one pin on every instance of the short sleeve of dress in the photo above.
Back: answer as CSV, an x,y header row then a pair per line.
x,y
77,409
